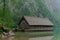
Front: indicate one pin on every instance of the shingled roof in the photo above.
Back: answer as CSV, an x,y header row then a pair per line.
x,y
37,21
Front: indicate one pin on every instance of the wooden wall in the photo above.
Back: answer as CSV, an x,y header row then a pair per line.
x,y
23,25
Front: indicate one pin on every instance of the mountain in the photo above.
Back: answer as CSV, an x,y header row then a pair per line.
x,y
15,9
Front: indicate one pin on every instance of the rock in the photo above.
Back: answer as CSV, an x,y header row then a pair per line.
x,y
4,36
11,33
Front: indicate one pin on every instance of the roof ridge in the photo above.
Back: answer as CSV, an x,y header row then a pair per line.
x,y
35,17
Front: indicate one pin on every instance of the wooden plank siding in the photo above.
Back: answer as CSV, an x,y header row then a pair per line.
x,y
23,24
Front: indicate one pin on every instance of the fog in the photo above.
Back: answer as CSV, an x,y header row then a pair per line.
x,y
53,5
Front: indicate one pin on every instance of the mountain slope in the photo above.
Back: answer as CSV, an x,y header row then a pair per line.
x,y
15,9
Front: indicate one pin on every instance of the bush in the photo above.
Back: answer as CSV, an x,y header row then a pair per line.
x,y
1,31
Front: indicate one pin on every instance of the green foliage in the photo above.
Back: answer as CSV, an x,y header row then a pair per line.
x,y
1,16
8,22
1,31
